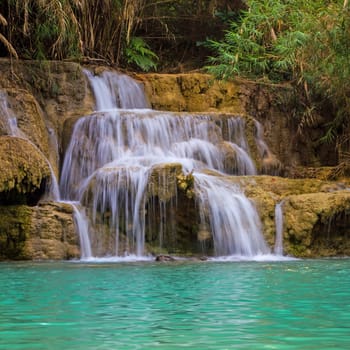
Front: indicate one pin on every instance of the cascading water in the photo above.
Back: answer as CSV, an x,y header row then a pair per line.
x,y
113,152
116,91
82,228
233,219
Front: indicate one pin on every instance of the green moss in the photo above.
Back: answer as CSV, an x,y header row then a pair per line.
x,y
15,226
162,181
24,171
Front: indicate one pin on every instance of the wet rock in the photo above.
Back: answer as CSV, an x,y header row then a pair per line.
x,y
30,118
163,258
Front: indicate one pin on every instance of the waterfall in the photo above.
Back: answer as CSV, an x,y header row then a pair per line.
x,y
278,249
81,223
234,221
116,91
9,119
113,152
101,138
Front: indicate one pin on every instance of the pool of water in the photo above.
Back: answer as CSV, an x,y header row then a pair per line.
x,y
301,304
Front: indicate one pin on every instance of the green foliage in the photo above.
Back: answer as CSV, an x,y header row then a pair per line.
x,y
305,42
102,30
140,54
265,42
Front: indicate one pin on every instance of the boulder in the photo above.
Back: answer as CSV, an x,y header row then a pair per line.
x,y
46,231
164,258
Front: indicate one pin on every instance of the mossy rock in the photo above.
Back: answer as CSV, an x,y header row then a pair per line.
x,y
162,182
193,92
30,118
43,232
316,213
15,223
55,91
25,172
317,224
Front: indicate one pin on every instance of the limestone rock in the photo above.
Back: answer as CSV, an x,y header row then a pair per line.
x,y
192,92
15,224
30,118
44,232
316,213
317,224
24,172
163,181
52,233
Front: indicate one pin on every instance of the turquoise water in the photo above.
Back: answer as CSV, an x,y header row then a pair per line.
x,y
203,305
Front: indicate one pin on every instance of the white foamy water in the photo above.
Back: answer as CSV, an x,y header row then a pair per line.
x,y
81,223
117,135
113,90
257,258
232,217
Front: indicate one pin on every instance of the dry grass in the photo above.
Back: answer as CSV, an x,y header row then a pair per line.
x,y
4,41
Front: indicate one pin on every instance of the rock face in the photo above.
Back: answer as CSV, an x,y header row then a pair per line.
x,y
193,92
317,224
30,120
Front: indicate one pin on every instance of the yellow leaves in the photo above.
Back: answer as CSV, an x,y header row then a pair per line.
x,y
3,20
8,46
273,34
4,41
